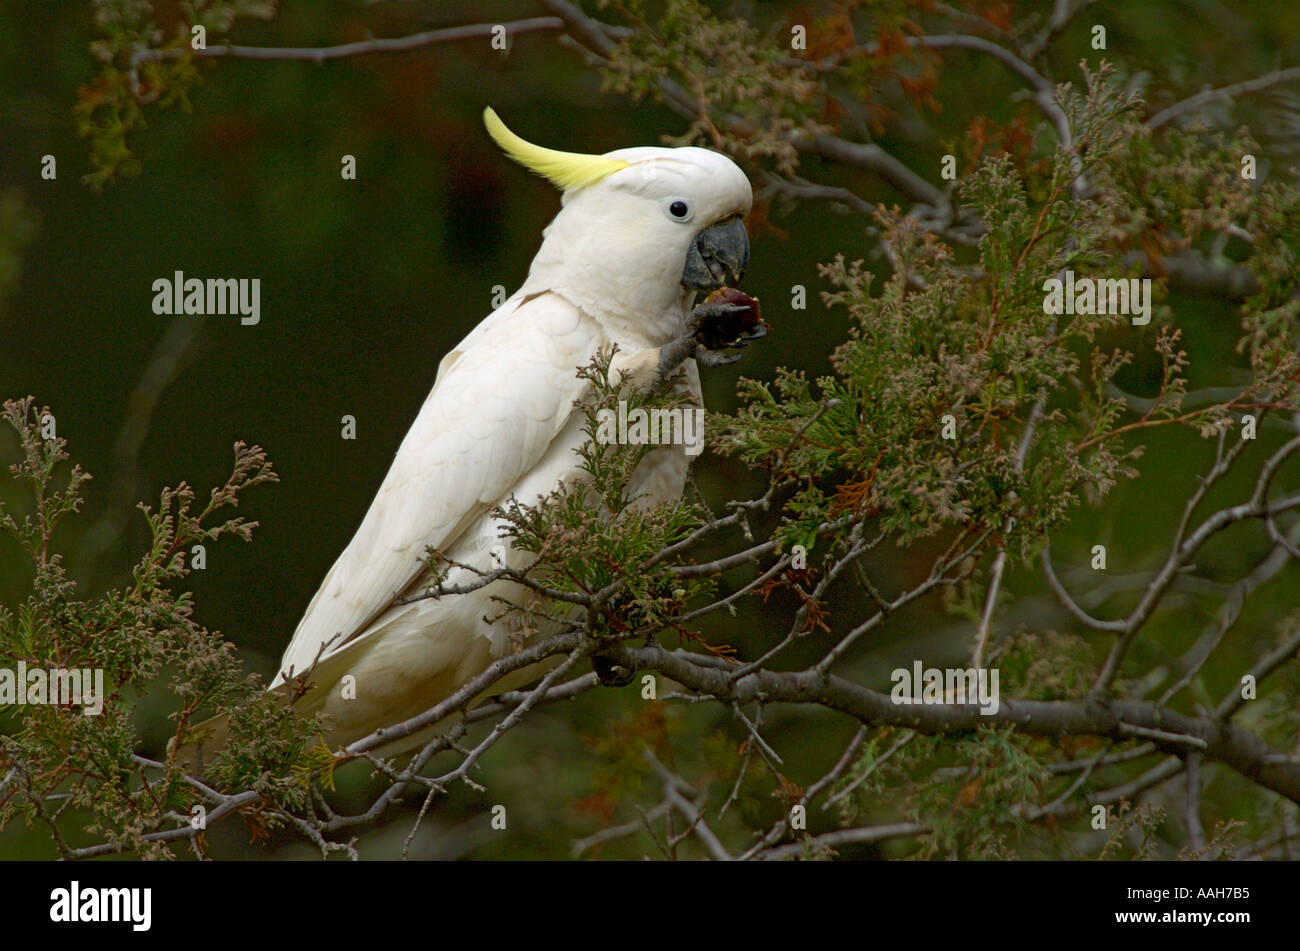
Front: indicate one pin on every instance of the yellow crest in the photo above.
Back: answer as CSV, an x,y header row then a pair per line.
x,y
565,170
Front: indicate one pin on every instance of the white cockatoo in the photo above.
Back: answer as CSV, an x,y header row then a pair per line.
x,y
640,233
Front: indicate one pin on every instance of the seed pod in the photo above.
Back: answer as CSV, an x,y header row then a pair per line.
x,y
724,330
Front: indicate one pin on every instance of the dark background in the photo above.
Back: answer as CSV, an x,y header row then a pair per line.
x,y
367,283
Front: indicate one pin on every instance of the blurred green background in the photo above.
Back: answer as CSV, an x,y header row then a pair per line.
x,y
366,283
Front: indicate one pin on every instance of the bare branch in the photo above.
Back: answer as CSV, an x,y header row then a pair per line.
x,y
1192,804
1095,715
1192,103
321,54
898,830
1070,604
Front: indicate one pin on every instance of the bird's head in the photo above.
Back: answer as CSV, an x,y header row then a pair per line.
x,y
640,233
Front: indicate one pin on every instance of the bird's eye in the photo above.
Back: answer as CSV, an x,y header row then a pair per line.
x,y
678,209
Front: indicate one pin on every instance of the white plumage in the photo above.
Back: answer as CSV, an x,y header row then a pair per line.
x,y
500,421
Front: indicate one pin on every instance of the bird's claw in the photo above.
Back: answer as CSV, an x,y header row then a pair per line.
x,y
721,325
718,356
714,358
727,323
611,674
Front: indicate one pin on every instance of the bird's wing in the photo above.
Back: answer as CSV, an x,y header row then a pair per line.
x,y
498,401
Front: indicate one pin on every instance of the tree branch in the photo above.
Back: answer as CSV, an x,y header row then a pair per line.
x,y
1191,103
321,54
1094,715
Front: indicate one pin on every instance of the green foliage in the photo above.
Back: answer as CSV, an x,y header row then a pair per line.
x,y
1131,832
67,762
973,809
772,95
1046,666
112,106
599,542
623,771
1034,424
946,331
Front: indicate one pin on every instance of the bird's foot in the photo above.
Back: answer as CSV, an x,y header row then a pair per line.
x,y
728,321
611,674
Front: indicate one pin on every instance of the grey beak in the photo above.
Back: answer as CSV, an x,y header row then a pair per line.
x,y
718,256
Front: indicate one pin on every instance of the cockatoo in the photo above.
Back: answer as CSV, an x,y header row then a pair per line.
x,y
640,232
